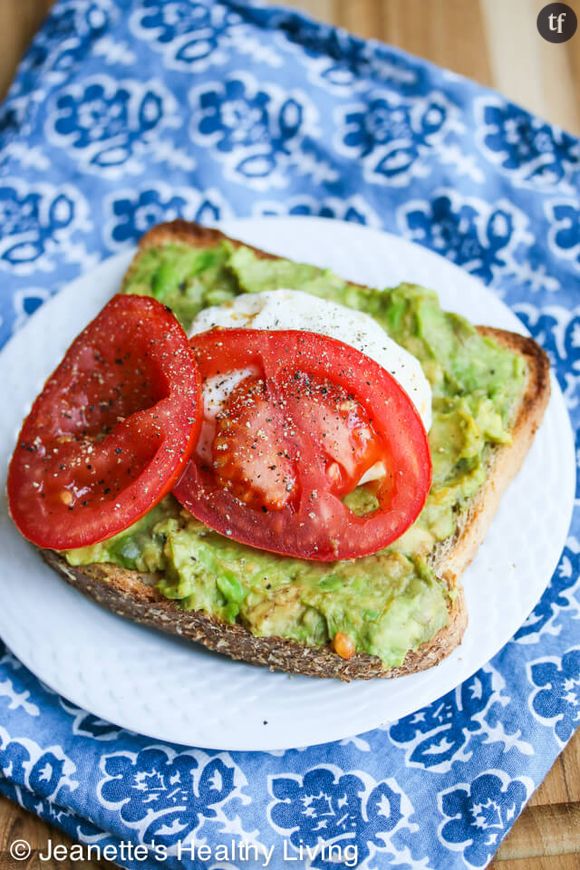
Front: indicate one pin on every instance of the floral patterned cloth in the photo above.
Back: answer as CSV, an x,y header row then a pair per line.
x,y
253,111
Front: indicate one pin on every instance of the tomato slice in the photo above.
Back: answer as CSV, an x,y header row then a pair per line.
x,y
295,436
111,431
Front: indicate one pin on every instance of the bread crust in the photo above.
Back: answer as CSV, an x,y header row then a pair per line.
x,y
134,596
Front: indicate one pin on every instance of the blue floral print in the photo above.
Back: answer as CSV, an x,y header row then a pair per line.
x,y
256,129
565,231
337,808
558,595
479,238
533,151
127,113
132,213
480,813
558,700
34,220
394,137
187,32
106,121
181,791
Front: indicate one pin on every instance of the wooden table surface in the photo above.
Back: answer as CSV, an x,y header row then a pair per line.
x,y
496,43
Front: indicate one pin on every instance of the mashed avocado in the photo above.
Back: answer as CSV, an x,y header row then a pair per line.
x,y
388,603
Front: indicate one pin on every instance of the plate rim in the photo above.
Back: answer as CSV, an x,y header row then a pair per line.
x,y
229,227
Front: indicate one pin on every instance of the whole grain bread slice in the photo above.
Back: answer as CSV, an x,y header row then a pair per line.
x,y
135,596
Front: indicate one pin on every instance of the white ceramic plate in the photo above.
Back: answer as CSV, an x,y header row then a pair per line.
x,y
165,688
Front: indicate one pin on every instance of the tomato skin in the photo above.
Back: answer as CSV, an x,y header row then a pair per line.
x,y
316,525
111,431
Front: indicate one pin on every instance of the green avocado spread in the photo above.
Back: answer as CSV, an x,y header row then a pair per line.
x,y
387,603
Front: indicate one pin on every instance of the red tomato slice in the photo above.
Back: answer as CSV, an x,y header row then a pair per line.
x,y
111,431
294,437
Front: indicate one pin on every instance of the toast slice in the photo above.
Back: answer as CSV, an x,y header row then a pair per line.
x,y
135,596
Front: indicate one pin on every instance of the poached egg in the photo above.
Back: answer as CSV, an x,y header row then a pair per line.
x,y
293,309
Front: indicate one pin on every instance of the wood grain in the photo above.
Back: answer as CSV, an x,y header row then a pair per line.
x,y
496,43
19,21
547,835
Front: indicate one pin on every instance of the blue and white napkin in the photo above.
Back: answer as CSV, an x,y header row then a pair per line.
x,y
124,114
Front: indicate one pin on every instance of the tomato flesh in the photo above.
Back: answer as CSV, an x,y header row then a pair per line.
x,y
250,452
252,443
110,432
340,427
293,439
